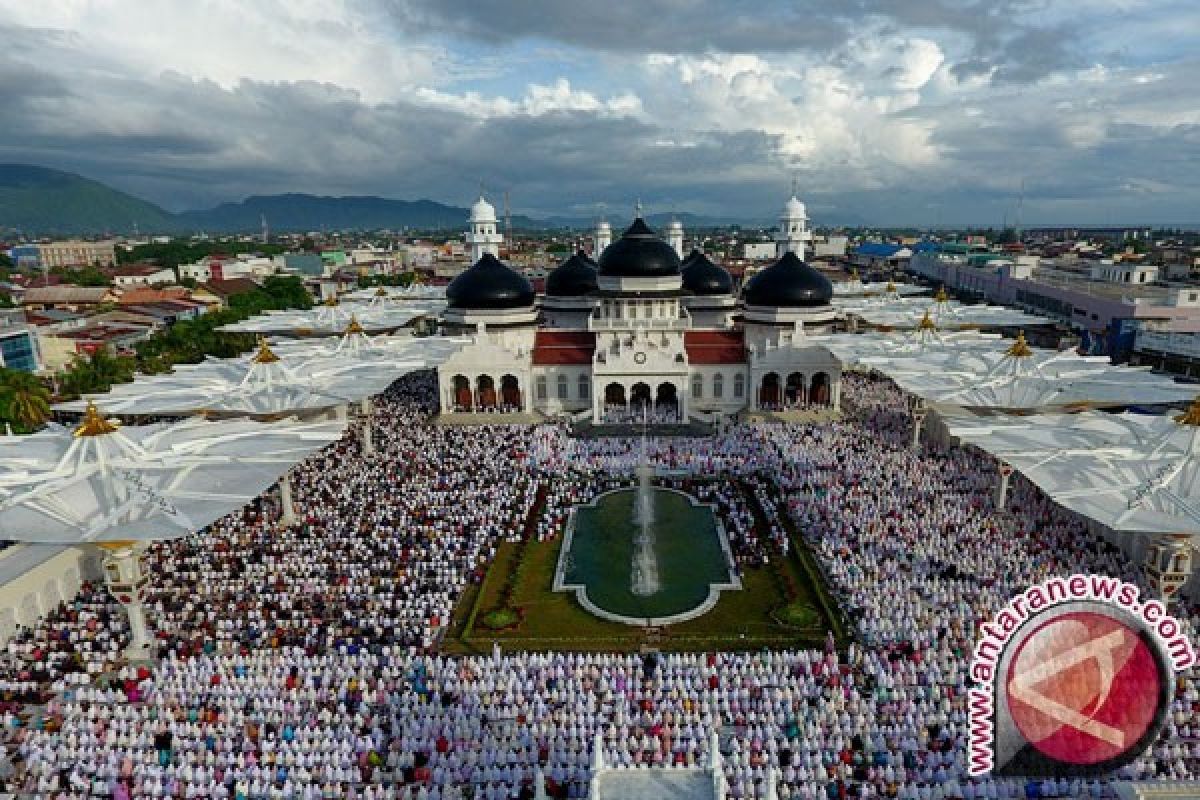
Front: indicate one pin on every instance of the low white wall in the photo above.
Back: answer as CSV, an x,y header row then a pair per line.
x,y
24,598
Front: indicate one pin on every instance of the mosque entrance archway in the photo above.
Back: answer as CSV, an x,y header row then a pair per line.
x,y
818,393
769,391
614,395
666,399
462,393
793,393
487,392
510,392
640,396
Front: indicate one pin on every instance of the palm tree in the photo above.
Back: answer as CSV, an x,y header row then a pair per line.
x,y
24,399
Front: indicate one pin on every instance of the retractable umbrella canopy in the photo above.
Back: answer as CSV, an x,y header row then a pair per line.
x,y
1135,473
1022,378
333,317
267,384
100,482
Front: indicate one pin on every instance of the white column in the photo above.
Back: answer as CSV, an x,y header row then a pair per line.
x,y
836,394
287,510
368,443
918,419
1002,489
364,406
125,579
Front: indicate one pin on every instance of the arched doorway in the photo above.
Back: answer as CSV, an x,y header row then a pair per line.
x,y
639,397
793,393
462,393
487,392
666,402
614,395
510,393
768,393
818,393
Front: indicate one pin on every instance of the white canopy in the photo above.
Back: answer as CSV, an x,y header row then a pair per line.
x,y
1130,472
397,294
862,349
857,288
946,314
332,317
103,483
265,384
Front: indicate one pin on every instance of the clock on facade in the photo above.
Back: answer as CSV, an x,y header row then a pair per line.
x,y
639,358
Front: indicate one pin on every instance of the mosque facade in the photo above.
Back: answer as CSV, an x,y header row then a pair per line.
x,y
641,332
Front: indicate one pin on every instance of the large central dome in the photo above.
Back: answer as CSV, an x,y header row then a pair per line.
x,y
639,253
788,283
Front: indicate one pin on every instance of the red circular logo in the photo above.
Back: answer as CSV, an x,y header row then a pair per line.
x,y
1084,688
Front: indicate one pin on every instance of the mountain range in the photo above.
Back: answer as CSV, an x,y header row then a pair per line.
x,y
40,200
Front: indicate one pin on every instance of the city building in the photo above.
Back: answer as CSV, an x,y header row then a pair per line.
x,y
639,332
77,253
142,275
18,345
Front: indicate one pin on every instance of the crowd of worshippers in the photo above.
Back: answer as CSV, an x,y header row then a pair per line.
x,y
302,662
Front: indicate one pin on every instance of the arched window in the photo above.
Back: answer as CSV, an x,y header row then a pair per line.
x,y
697,386
562,387
739,386
541,387
585,387
718,386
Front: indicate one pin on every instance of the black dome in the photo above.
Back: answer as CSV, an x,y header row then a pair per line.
x,y
701,276
789,282
639,253
573,278
489,284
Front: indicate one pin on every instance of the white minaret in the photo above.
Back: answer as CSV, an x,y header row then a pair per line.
x,y
793,229
602,238
483,238
675,236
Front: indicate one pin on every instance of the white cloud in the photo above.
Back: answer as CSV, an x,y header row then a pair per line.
x,y
538,100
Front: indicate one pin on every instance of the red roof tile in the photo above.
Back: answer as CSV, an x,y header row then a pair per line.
x,y
715,347
563,347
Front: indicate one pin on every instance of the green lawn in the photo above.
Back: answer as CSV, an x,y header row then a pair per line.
x,y
745,619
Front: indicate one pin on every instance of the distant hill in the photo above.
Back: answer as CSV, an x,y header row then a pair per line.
x,y
38,200
307,212
41,200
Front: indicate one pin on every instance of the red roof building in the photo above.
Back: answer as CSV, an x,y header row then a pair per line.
x,y
553,348
715,347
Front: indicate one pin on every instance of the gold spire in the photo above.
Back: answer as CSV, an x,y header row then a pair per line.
x,y
381,292
354,326
93,424
926,323
1192,415
264,354
331,301
1020,348
941,296
854,274
891,287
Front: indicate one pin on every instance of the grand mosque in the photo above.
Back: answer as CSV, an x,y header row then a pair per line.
x,y
641,332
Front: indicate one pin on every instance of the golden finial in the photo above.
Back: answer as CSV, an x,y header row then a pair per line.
x,y
1192,415
854,274
264,354
1020,348
381,292
354,326
941,296
93,424
926,323
891,288
331,301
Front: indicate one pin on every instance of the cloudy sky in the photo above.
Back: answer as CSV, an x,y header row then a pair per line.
x,y
884,111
